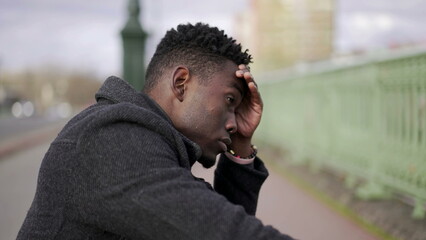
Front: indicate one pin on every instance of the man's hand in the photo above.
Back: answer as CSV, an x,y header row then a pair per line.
x,y
248,114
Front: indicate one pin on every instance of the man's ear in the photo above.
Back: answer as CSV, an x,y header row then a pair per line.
x,y
179,80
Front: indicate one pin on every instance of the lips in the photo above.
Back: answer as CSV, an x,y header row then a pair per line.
x,y
223,142
223,146
226,140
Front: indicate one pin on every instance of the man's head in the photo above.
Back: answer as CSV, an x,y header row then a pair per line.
x,y
203,49
192,77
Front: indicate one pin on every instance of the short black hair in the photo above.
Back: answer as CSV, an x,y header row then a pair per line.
x,y
203,49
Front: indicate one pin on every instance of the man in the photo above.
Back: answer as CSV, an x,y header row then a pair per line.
x,y
121,169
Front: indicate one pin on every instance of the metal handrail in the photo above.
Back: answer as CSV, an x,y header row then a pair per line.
x,y
366,119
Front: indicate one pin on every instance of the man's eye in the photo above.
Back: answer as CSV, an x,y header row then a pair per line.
x,y
230,99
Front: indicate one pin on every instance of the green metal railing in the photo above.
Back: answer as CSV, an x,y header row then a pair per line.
x,y
365,120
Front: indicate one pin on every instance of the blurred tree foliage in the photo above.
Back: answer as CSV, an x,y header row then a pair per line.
x,y
81,89
49,86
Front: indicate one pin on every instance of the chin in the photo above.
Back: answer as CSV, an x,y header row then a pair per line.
x,y
207,162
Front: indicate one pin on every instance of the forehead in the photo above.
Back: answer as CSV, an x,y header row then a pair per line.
x,y
226,77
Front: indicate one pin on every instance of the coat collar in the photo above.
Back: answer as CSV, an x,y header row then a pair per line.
x,y
117,90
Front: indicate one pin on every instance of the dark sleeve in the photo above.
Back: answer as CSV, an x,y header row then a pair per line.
x,y
240,184
135,188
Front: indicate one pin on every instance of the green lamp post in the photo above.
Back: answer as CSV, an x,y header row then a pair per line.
x,y
134,47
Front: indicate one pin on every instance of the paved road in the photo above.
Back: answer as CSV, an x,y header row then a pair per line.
x,y
17,134
12,127
281,204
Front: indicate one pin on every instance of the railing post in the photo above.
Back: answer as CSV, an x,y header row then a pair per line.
x,y
134,47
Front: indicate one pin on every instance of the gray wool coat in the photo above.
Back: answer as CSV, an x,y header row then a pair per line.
x,y
120,170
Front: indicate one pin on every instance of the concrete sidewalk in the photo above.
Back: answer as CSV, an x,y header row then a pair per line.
x,y
296,213
18,180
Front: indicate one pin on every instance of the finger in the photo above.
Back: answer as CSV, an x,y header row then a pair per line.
x,y
239,73
255,94
248,77
244,67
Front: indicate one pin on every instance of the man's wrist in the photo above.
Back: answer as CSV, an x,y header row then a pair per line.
x,y
252,155
242,161
241,146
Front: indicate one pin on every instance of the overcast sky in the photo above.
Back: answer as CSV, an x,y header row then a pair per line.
x,y
371,24
83,34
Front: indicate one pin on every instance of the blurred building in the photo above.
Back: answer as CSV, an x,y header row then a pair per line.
x,y
281,33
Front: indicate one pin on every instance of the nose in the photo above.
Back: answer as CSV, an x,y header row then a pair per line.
x,y
231,124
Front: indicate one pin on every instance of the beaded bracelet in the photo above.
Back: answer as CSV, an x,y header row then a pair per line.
x,y
252,155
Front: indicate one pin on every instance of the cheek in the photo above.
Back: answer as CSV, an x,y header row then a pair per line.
x,y
210,121
196,119
206,116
